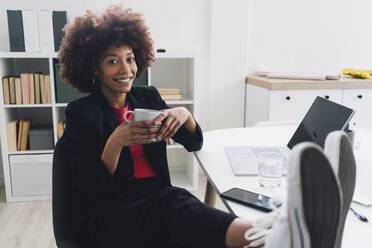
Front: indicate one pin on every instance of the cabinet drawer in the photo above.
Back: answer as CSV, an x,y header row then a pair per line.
x,y
31,175
292,105
361,101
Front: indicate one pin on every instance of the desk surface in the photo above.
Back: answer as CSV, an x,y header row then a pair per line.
x,y
216,166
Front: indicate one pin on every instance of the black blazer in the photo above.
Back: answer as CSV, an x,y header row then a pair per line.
x,y
89,123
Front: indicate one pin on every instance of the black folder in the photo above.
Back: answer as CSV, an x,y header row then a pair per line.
x,y
59,21
64,92
142,79
16,35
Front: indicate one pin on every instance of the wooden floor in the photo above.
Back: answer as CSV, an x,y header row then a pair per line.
x,y
25,224
29,224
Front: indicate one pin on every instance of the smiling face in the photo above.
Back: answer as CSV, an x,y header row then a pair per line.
x,y
117,70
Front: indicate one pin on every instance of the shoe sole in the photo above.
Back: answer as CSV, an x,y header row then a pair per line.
x,y
339,150
314,207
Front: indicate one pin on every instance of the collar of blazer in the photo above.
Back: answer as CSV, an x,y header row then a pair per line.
x,y
109,115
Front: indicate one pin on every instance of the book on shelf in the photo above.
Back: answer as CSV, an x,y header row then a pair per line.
x,y
18,90
11,135
37,88
19,132
25,88
42,89
169,91
59,21
60,128
171,97
46,31
31,89
23,129
31,30
47,89
16,34
12,90
6,91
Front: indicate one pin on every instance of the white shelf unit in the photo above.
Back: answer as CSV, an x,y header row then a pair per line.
x,y
173,71
177,70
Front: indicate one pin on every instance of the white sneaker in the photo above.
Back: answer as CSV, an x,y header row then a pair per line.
x,y
280,235
311,216
260,229
339,151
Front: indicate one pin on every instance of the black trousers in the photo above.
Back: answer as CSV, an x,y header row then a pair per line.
x,y
164,217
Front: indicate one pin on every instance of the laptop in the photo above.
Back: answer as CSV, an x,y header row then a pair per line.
x,y
323,117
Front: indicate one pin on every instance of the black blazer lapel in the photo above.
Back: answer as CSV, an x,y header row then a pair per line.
x,y
109,123
110,119
135,102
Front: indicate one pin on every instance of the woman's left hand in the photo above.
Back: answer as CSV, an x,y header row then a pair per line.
x,y
173,119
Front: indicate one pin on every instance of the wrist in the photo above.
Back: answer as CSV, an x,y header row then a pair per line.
x,y
188,114
110,156
190,123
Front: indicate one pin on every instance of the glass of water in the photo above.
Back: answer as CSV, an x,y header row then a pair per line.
x,y
270,165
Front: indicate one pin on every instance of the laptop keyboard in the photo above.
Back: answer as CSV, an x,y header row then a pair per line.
x,y
244,159
258,149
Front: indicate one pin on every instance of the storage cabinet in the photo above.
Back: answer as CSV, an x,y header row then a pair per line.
x,y
266,101
361,101
27,174
31,175
293,104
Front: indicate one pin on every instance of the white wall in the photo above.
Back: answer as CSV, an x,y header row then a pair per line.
x,y
309,36
228,44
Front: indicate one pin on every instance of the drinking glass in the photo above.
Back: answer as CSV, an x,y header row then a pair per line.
x,y
270,165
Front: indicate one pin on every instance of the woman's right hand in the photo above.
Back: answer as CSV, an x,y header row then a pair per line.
x,y
135,132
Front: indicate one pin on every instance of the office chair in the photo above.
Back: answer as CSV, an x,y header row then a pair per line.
x,y
64,207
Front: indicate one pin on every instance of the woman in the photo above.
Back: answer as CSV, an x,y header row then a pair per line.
x,y
122,177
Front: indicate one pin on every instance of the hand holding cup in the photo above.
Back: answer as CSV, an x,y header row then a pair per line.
x,y
144,119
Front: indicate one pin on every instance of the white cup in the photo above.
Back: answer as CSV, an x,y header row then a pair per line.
x,y
142,114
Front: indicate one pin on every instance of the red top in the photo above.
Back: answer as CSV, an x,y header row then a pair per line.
x,y
142,167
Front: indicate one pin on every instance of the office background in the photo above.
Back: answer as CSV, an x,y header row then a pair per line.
x,y
234,38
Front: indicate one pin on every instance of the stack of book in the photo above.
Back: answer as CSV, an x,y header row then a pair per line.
x,y
60,128
170,94
17,134
28,88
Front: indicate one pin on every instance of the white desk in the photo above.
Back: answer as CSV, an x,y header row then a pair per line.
x,y
216,166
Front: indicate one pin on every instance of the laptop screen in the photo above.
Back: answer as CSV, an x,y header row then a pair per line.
x,y
323,117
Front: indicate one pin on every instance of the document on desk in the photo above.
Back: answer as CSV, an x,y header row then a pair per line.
x,y
243,160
